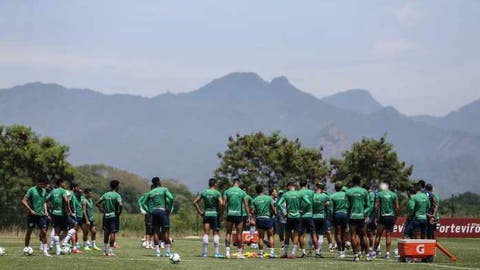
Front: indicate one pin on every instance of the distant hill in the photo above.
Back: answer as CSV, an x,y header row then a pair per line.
x,y
178,135
464,119
355,100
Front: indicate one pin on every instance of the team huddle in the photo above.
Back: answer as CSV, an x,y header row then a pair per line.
x,y
353,217
359,216
67,210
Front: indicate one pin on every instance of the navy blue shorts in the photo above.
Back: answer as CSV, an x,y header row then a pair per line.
x,y
371,226
84,221
419,226
340,219
358,223
279,227
72,222
235,219
264,223
408,231
40,222
320,227
148,224
60,222
293,224
213,221
307,225
431,229
160,218
387,222
110,224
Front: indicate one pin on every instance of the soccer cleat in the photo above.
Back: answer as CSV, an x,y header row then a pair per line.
x,y
342,255
272,255
86,248
111,254
159,253
292,257
319,255
303,255
96,248
284,256
168,254
387,257
218,256
45,254
204,255
370,256
356,259
76,251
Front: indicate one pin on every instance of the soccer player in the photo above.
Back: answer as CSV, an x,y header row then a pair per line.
x,y
263,208
160,202
372,222
234,198
320,203
358,214
144,209
280,219
110,205
34,202
418,207
388,208
247,221
433,213
308,226
292,199
59,201
340,205
76,219
87,223
212,215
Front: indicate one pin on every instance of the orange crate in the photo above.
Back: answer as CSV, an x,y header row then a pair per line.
x,y
417,248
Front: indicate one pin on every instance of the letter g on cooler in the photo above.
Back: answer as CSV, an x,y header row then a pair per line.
x,y
420,249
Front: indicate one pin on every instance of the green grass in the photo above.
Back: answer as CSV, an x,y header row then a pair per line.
x,y
131,256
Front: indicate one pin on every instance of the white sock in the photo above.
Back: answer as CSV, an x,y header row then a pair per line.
x,y
69,236
105,247
157,248
167,247
227,249
252,232
52,238
272,250
320,243
294,249
56,240
216,243
285,250
93,243
205,243
45,248
260,252
304,251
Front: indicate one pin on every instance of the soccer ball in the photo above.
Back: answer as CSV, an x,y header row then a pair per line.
x,y
65,250
27,251
2,251
174,258
254,245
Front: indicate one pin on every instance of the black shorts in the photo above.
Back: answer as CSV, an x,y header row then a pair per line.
x,y
431,229
235,219
60,222
111,224
320,227
293,224
264,223
307,225
388,222
419,225
371,226
160,218
40,222
148,224
358,223
279,227
72,222
340,219
213,221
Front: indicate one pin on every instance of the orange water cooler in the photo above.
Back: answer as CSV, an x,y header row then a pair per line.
x,y
411,249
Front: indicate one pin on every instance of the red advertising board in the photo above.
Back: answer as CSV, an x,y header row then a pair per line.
x,y
447,227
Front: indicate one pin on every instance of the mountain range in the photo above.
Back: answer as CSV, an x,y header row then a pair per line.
x,y
178,135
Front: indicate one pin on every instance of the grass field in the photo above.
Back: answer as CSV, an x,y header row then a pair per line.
x,y
131,256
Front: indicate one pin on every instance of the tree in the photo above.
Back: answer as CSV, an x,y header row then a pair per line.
x,y
271,160
374,161
25,158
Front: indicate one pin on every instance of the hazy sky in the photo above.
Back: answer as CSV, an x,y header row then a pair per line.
x,y
419,56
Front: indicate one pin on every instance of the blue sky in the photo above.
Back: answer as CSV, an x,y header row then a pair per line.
x,y
419,56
